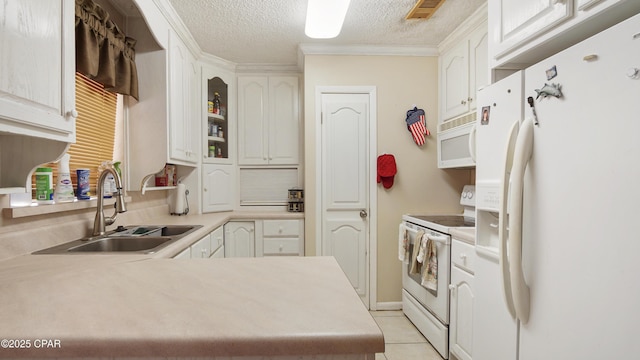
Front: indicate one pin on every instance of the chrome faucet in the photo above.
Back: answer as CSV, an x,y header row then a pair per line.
x,y
100,222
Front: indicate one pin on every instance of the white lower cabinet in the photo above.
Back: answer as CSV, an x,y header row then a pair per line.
x,y
185,254
239,239
256,238
209,246
282,238
461,311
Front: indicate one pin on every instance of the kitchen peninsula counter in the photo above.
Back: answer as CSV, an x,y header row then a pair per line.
x,y
139,306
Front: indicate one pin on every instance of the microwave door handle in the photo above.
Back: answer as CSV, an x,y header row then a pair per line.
x,y
521,157
502,220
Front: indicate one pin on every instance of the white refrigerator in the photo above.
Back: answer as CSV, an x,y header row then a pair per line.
x,y
558,206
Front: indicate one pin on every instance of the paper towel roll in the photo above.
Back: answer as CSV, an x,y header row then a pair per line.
x,y
178,200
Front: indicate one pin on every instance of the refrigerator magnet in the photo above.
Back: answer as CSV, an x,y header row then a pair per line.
x,y
551,73
485,115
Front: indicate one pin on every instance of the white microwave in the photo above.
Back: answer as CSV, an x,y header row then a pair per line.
x,y
456,147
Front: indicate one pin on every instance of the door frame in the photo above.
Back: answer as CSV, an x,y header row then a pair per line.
x,y
372,246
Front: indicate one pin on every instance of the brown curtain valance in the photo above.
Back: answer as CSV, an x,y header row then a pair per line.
x,y
103,52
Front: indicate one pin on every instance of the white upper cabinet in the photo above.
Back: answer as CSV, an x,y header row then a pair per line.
x,y
524,32
37,63
218,187
268,120
164,124
218,125
463,69
520,20
184,117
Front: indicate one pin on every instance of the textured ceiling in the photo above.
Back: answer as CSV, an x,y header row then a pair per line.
x,y
269,31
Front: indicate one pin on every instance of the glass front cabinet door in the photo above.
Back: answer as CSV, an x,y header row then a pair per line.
x,y
219,110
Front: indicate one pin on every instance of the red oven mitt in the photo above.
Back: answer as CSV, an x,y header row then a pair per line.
x,y
386,170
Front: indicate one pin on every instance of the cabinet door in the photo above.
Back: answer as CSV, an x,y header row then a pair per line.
x,y
185,254
37,91
218,130
478,63
218,187
521,20
201,249
455,81
284,120
239,239
461,325
253,105
181,119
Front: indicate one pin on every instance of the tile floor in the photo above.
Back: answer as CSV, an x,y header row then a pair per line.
x,y
402,340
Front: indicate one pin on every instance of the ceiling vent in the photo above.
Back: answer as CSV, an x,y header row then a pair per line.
x,y
424,9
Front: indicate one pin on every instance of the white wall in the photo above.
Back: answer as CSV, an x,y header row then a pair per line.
x,y
420,187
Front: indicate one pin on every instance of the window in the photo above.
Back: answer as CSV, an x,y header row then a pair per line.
x,y
95,130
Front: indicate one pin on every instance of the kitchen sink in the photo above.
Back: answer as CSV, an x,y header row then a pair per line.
x,y
144,243
138,239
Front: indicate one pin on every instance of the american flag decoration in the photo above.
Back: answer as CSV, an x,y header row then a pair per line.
x,y
416,124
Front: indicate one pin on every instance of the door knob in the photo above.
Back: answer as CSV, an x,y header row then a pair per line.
x,y
363,214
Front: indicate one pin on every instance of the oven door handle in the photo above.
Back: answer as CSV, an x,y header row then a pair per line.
x,y
438,238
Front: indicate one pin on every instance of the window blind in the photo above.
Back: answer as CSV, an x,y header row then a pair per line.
x,y
95,130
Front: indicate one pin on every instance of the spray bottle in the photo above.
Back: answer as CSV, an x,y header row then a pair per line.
x,y
64,187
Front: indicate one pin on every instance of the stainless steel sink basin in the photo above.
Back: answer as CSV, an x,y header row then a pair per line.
x,y
146,244
129,240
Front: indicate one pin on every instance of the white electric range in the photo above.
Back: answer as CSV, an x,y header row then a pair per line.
x,y
428,309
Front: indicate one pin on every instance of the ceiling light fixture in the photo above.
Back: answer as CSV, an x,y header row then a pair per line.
x,y
325,18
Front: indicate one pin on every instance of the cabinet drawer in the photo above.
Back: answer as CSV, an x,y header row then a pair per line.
x,y
289,246
281,228
463,255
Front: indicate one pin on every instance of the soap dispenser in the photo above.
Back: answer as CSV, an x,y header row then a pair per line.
x,y
64,187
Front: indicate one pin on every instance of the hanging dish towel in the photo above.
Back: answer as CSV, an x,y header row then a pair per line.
x,y
416,124
403,244
430,275
415,265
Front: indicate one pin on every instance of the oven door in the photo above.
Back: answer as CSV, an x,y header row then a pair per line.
x,y
436,302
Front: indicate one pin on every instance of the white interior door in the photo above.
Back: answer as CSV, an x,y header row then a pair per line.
x,y
345,185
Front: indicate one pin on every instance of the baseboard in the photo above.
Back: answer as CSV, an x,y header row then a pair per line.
x,y
392,305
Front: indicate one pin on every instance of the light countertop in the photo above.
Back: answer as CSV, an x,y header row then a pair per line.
x,y
129,305
465,234
121,306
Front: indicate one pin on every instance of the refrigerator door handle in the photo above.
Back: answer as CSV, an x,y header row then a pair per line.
x,y
502,219
521,157
472,142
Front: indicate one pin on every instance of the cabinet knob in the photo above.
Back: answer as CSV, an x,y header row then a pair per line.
x,y
204,189
452,289
73,113
463,102
470,99
463,256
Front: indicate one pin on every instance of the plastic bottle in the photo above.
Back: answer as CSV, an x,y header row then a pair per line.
x,y
216,103
44,185
64,187
109,185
